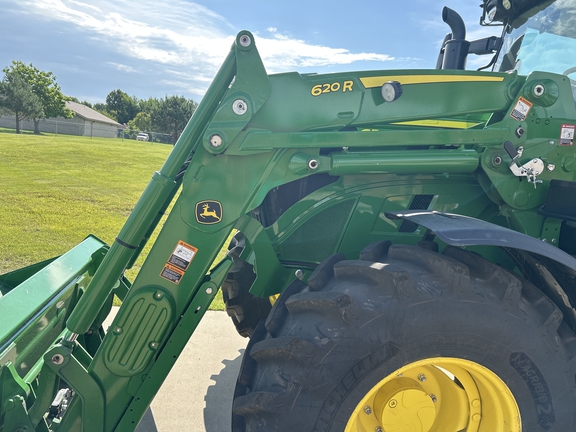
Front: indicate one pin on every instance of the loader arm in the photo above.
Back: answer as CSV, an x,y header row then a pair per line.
x,y
252,134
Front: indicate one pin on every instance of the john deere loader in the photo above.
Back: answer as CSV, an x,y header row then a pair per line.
x,y
403,258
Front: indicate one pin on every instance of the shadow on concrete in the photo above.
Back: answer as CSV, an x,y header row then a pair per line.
x,y
219,397
147,424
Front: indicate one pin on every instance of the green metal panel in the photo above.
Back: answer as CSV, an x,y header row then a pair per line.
x,y
41,301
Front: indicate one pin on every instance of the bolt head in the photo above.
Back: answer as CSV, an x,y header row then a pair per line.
x,y
215,140
239,107
433,397
57,359
393,403
208,290
539,90
422,377
368,410
313,164
245,40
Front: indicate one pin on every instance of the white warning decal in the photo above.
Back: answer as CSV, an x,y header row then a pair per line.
x,y
567,135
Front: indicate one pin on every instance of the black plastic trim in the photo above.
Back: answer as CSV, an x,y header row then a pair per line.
x,y
458,230
126,245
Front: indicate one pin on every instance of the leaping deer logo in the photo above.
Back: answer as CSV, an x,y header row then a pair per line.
x,y
209,215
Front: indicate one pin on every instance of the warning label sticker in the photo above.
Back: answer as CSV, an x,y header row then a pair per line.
x,y
182,255
178,262
172,273
567,135
521,110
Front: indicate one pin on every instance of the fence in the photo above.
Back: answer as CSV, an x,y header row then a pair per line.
x,y
81,127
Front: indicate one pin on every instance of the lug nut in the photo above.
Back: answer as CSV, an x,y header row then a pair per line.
x,y
422,377
433,397
367,410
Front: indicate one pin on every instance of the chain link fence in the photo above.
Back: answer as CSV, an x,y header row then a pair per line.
x,y
82,127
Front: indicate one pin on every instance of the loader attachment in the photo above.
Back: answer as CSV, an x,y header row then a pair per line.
x,y
34,306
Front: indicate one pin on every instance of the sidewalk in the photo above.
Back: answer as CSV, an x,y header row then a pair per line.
x,y
197,394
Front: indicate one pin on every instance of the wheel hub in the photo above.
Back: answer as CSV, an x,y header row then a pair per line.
x,y
408,410
438,394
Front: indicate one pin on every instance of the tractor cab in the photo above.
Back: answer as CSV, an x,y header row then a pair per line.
x,y
546,42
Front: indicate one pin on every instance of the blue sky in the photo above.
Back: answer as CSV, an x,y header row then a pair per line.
x,y
156,48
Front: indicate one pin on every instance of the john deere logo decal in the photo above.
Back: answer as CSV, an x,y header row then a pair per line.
x,y
208,212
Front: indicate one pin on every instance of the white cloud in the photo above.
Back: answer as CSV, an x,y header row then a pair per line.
x,y
282,52
185,36
122,67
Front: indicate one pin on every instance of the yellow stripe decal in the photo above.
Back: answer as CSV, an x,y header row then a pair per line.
x,y
453,124
377,81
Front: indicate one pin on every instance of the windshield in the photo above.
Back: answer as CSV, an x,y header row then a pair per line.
x,y
546,42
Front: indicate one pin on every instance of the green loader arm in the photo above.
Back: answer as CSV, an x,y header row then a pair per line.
x,y
253,134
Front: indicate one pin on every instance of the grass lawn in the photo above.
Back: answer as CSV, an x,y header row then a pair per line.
x,y
55,190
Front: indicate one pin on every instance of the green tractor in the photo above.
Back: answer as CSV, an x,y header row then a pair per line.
x,y
403,258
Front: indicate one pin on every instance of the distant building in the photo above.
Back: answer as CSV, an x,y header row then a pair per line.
x,y
86,122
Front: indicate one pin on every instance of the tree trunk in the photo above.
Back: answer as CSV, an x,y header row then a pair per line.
x,y
37,126
17,123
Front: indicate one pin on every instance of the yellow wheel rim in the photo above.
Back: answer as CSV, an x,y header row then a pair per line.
x,y
438,395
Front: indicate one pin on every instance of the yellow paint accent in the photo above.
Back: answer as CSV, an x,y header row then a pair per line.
x,y
453,124
377,81
347,86
273,298
424,397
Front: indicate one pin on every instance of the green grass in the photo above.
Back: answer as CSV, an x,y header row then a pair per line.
x,y
55,190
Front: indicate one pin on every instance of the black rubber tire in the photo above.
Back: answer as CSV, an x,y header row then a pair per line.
x,y
245,309
325,345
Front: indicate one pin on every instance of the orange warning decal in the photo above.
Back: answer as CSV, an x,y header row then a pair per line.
x,y
521,109
178,262
171,273
183,255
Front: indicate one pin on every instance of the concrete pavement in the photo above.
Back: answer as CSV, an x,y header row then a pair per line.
x,y
197,394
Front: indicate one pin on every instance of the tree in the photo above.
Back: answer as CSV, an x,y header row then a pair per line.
x,y
124,106
142,122
172,115
45,87
148,105
16,96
